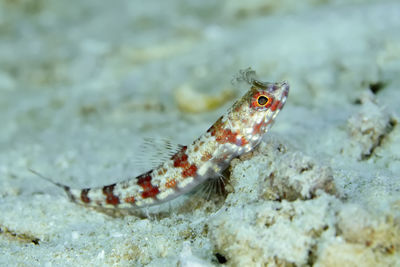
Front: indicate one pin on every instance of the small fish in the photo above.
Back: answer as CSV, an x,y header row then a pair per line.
x,y
235,133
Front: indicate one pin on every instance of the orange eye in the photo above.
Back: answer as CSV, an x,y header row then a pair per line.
x,y
262,100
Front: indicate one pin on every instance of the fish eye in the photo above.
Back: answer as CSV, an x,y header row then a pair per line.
x,y
262,100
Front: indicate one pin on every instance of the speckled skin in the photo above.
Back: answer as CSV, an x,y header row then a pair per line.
x,y
237,132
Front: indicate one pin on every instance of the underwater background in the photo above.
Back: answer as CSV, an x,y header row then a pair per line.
x,y
89,89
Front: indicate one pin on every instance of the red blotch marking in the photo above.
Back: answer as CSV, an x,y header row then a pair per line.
x,y
280,106
190,171
130,200
150,193
170,183
181,161
275,104
180,158
110,197
227,136
148,189
84,195
215,127
212,130
224,136
241,142
285,93
257,127
162,171
207,156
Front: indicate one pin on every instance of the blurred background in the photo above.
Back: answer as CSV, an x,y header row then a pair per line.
x,y
84,84
81,85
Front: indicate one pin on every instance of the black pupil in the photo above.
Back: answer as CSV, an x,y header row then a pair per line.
x,y
262,100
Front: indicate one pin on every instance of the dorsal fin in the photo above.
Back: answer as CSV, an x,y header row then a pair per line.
x,y
153,152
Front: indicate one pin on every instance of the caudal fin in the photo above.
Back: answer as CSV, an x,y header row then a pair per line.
x,y
66,188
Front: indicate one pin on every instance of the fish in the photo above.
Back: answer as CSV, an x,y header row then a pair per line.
x,y
237,132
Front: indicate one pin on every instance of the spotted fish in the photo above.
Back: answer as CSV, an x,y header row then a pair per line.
x,y
235,133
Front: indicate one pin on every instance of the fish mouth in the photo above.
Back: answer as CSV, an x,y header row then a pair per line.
x,y
285,85
285,92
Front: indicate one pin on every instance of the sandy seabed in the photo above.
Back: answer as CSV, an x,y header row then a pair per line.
x,y
82,86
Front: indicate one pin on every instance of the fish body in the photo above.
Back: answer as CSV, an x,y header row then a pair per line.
x,y
235,133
